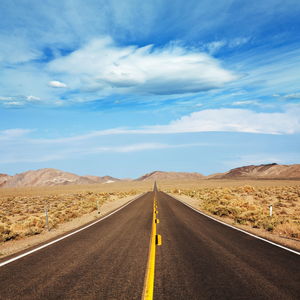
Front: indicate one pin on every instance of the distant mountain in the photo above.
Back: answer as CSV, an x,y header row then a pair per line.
x,y
103,179
3,179
159,175
266,171
52,177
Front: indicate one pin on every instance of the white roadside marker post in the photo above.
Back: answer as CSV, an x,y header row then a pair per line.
x,y
47,220
271,210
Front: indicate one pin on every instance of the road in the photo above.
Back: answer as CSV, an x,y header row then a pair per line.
x,y
105,261
199,259
203,259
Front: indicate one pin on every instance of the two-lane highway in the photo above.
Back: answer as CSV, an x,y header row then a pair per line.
x,y
199,259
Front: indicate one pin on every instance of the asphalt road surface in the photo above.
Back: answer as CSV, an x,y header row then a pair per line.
x,y
105,261
203,259
199,259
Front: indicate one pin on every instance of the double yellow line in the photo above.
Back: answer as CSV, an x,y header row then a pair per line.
x,y
155,240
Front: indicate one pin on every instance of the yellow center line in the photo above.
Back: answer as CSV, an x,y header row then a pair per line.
x,y
154,240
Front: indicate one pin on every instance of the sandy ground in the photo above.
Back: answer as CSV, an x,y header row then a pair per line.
x,y
14,246
290,243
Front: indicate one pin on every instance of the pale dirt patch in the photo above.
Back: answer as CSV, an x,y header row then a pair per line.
x,y
14,246
290,243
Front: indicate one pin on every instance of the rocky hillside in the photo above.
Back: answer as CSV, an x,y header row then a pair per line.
x,y
102,179
51,177
159,175
3,179
266,171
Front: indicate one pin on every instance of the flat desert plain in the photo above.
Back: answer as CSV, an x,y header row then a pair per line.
x,y
242,203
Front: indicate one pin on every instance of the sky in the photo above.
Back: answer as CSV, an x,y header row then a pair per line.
x,y
124,88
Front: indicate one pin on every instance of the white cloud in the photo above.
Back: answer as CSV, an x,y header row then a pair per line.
x,y
16,49
57,84
215,46
56,153
14,104
133,148
238,42
14,133
225,119
237,120
292,96
246,102
6,98
101,65
32,98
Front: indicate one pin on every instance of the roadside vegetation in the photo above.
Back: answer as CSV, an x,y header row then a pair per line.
x,y
249,205
24,215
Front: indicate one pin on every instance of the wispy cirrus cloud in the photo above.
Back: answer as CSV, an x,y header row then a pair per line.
x,y
17,145
246,102
215,46
14,133
207,120
292,96
42,154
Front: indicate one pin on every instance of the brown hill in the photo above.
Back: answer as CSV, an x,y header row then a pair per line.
x,y
159,175
266,171
51,177
102,179
3,179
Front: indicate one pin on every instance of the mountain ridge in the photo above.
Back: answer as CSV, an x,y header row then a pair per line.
x,y
263,171
161,175
53,177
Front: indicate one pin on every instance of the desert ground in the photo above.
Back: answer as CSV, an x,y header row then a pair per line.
x,y
242,203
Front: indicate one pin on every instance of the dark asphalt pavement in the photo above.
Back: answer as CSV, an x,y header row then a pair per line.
x,y
105,261
203,259
199,259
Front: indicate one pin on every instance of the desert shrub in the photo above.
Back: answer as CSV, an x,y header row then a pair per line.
x,y
250,206
6,233
23,215
289,229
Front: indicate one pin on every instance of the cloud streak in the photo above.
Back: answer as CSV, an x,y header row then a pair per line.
x,y
69,151
210,120
18,146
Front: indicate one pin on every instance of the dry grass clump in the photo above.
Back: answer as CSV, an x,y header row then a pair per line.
x,y
25,215
248,205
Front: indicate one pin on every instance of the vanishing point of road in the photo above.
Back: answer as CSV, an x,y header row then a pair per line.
x,y
199,259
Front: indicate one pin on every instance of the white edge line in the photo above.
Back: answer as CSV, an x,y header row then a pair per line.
x,y
241,230
69,234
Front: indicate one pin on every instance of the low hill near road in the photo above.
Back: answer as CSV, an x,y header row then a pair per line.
x,y
51,177
159,175
265,171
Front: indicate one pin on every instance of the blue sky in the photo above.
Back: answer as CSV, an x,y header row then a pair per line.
x,y
128,87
